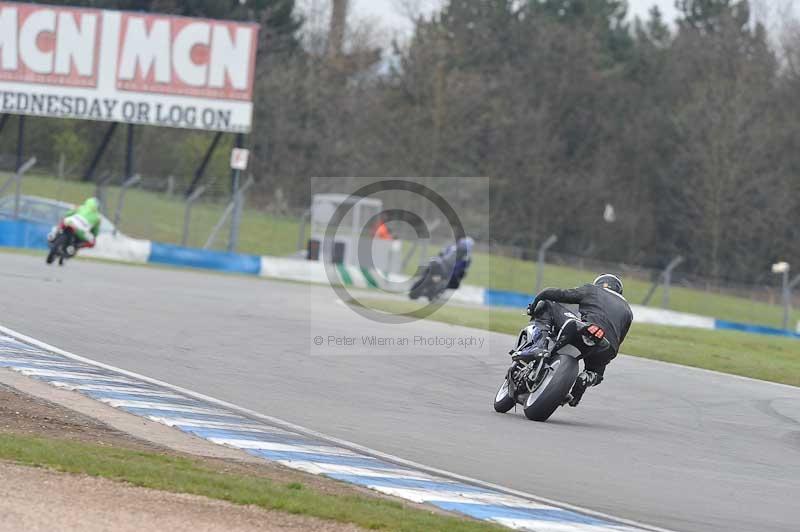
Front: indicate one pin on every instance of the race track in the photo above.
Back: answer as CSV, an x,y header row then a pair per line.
x,y
668,446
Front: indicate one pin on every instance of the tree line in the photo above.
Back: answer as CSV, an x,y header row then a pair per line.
x,y
688,130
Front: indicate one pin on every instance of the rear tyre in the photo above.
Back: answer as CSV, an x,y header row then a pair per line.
x,y
503,402
555,386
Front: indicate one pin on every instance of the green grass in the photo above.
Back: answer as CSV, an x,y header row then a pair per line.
x,y
514,275
769,358
182,475
504,273
156,217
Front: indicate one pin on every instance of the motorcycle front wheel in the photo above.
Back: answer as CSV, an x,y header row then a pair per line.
x,y
55,246
503,402
552,389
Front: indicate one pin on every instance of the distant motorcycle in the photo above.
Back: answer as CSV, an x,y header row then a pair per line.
x,y
64,244
542,374
433,280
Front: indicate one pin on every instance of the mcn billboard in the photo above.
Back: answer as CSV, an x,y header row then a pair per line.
x,y
126,67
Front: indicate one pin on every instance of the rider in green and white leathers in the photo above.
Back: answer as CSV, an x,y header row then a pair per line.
x,y
84,221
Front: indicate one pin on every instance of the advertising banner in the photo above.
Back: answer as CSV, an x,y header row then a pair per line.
x,y
129,67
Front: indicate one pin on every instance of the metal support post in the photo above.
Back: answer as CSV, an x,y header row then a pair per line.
x,y
547,244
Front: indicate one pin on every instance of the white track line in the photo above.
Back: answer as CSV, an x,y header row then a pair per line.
x,y
337,441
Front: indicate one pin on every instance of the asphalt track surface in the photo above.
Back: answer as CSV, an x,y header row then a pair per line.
x,y
668,446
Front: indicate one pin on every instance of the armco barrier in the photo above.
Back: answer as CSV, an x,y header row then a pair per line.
x,y
203,258
501,298
754,329
119,248
21,234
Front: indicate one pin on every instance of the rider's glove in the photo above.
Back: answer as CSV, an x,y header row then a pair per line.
x,y
596,331
532,307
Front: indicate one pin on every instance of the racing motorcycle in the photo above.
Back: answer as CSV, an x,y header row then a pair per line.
x,y
545,366
433,279
64,243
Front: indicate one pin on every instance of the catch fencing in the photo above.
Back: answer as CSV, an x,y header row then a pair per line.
x,y
158,209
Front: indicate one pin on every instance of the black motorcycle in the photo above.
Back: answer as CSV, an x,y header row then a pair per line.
x,y
64,245
545,366
433,279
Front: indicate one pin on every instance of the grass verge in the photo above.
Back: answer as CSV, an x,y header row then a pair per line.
x,y
156,216
504,273
769,358
184,475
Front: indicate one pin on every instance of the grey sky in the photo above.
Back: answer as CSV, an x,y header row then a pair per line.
x,y
390,16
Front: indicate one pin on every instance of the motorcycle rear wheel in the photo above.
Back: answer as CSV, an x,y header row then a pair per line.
x,y
552,390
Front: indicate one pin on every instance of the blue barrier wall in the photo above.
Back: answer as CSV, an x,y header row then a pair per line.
x,y
756,329
201,258
22,234
501,298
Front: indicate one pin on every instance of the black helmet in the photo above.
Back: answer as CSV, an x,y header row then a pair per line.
x,y
609,281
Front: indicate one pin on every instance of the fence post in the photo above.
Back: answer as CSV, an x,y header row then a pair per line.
x,y
301,233
62,162
783,269
131,181
547,244
187,214
238,198
20,142
100,192
236,218
674,263
18,178
225,214
788,305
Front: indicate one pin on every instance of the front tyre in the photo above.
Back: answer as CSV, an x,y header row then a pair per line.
x,y
56,247
554,387
418,288
503,402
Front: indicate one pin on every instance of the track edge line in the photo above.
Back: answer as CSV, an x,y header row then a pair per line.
x,y
280,423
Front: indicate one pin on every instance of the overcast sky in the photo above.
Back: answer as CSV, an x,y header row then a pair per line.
x,y
389,14
384,19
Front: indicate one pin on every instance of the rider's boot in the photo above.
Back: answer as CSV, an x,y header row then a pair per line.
x,y
585,380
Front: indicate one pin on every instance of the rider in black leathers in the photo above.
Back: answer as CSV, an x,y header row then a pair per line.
x,y
600,303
